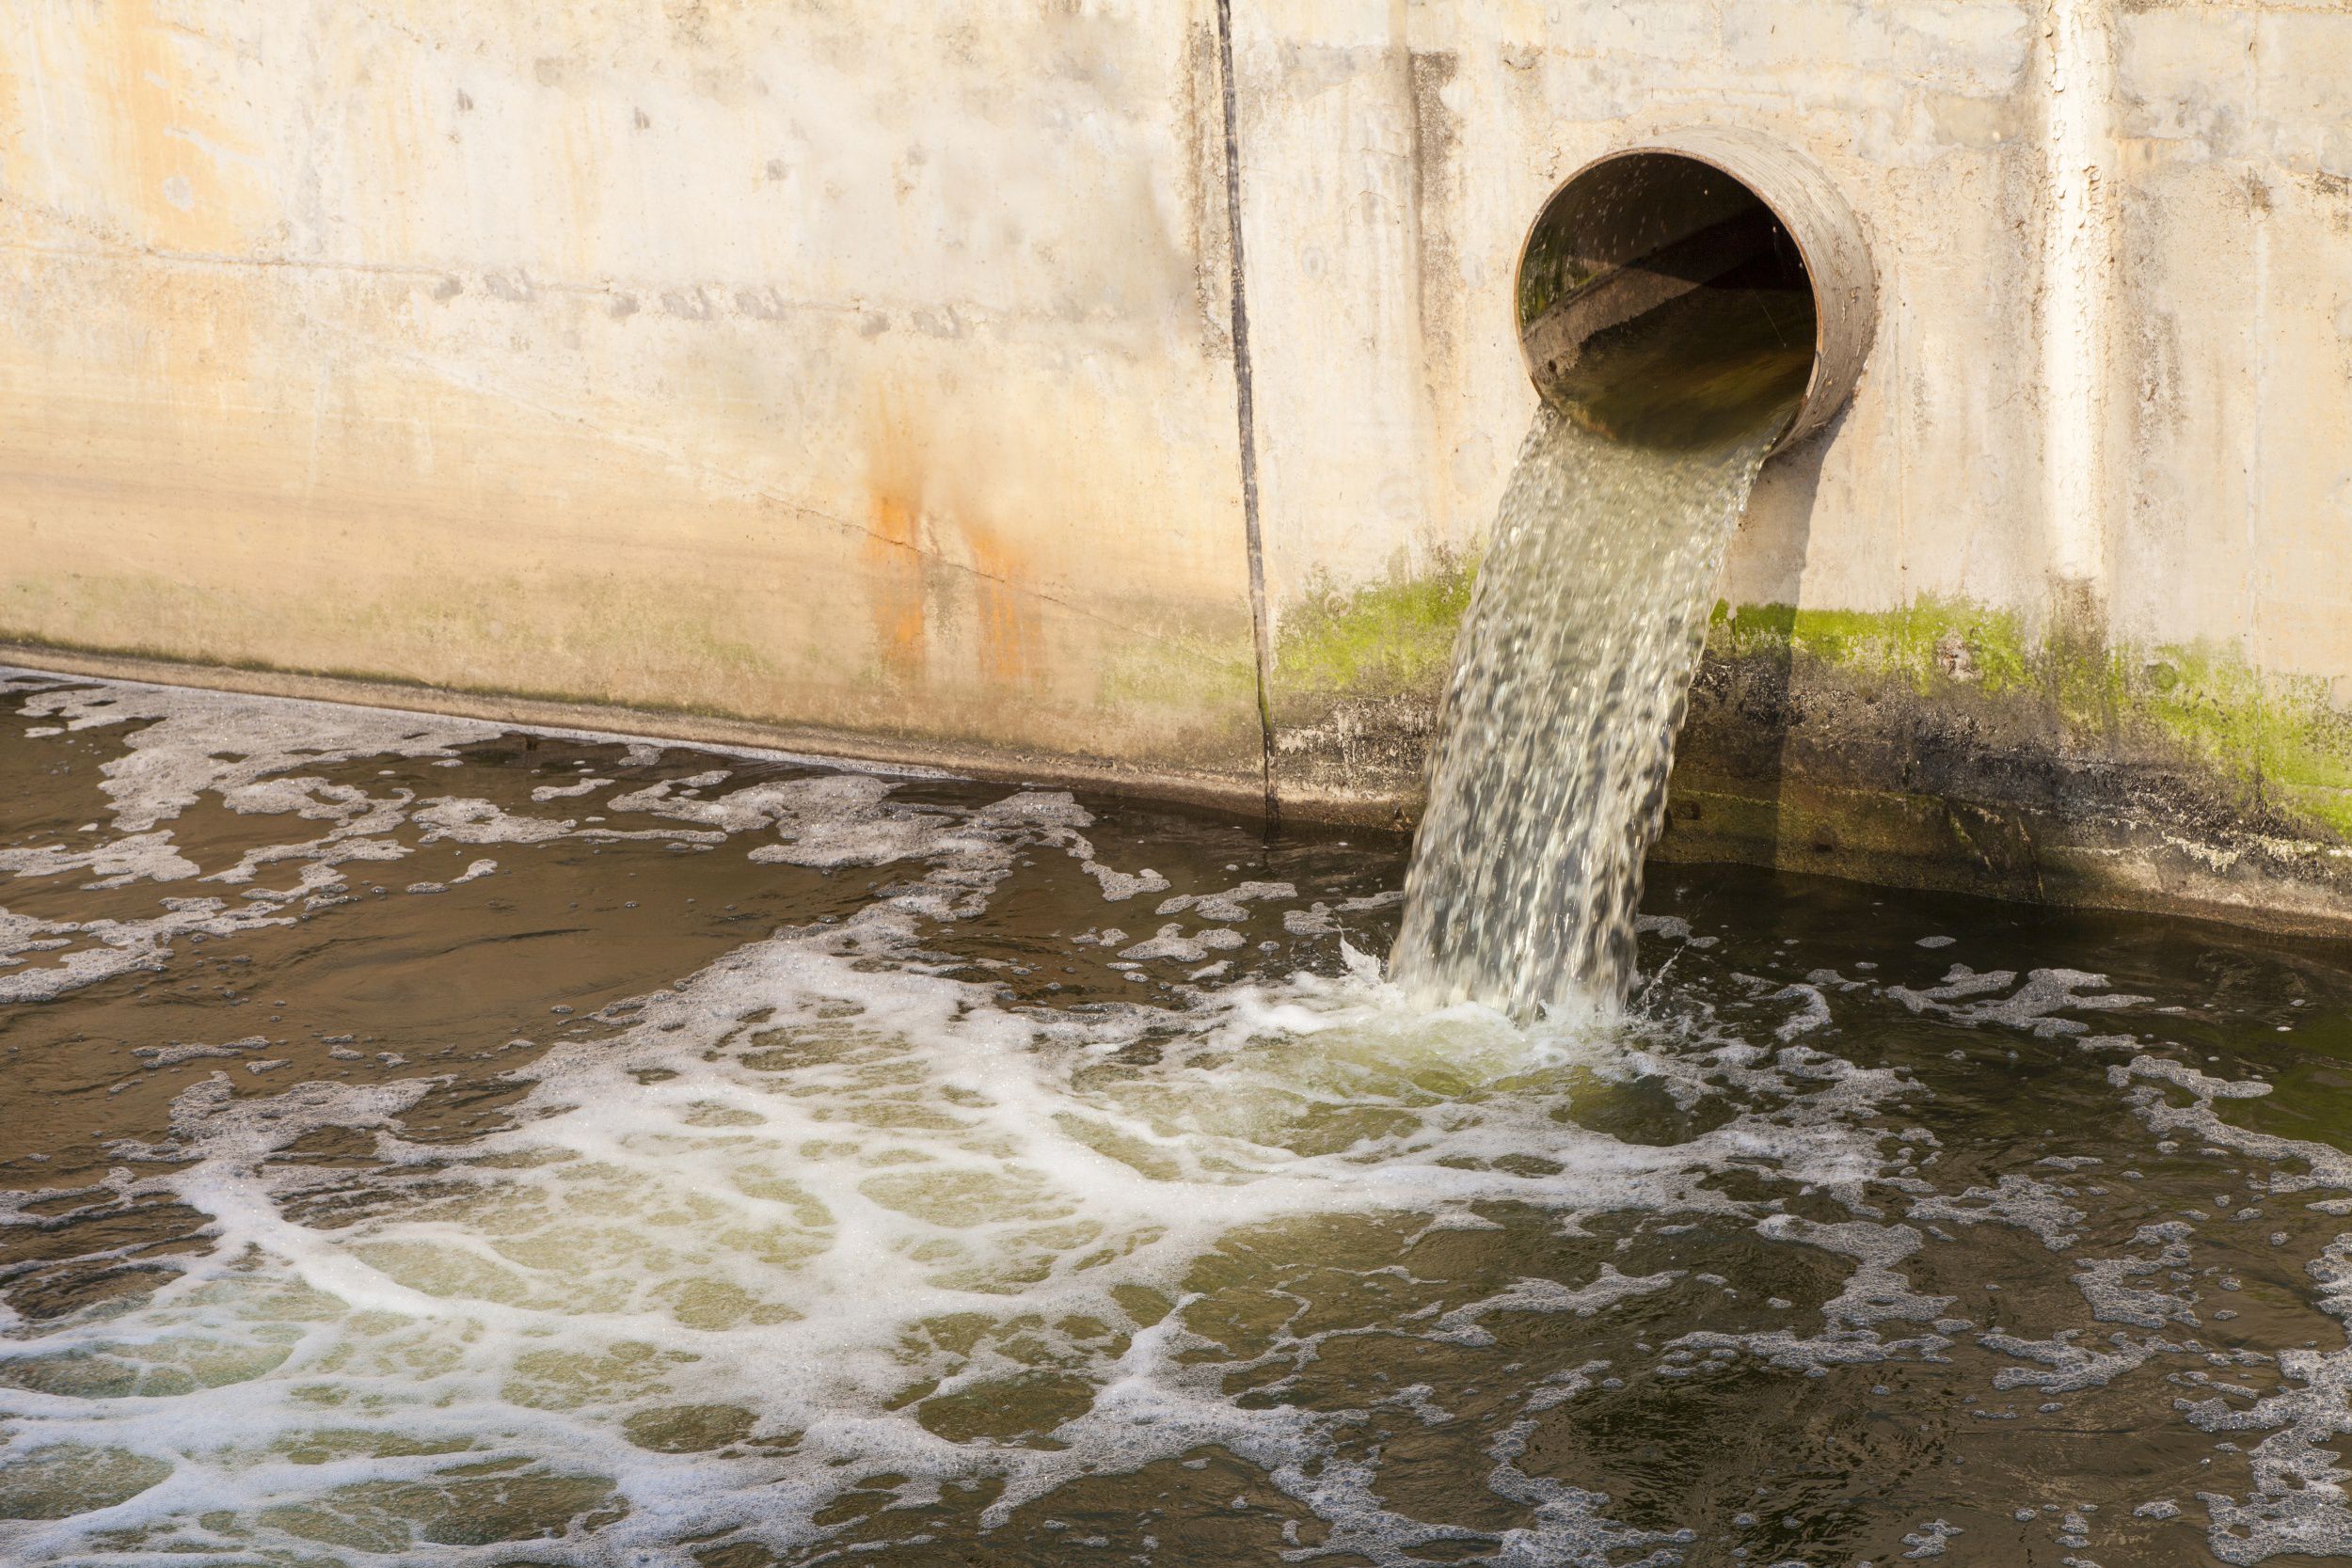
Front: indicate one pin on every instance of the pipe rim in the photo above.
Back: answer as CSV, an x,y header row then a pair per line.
x,y
1830,381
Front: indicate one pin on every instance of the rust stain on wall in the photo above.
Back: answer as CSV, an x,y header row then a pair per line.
x,y
896,573
1008,612
945,580
893,552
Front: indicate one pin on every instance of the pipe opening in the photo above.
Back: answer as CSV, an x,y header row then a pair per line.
x,y
1672,297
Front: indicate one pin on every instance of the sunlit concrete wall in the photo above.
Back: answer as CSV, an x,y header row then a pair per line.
x,y
874,368
857,366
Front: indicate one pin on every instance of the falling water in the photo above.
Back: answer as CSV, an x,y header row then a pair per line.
x,y
1575,663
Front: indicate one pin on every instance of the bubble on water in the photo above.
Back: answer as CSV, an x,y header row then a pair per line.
x,y
79,954
1313,921
1812,1012
1230,905
2064,1367
118,862
2103,1281
1171,943
542,794
464,821
191,741
2033,1006
1930,1539
1119,886
2032,1206
180,1052
1462,1325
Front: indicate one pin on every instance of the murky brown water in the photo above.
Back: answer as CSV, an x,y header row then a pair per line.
x,y
812,1175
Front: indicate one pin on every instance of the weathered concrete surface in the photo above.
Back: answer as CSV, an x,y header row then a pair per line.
x,y
870,371
2103,415
1925,114
749,359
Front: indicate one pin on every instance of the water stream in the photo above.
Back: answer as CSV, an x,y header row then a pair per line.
x,y
422,1143
1548,783
1548,780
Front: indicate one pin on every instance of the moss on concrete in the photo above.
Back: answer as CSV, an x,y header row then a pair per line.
x,y
2274,741
2280,737
1383,639
1182,674
2272,750
1932,641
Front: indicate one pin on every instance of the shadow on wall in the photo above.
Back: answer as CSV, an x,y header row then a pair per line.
x,y
1726,799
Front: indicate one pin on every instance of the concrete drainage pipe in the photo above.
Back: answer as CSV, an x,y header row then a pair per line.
x,y
1677,292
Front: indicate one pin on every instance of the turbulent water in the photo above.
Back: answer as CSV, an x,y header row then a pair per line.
x,y
1548,781
427,1144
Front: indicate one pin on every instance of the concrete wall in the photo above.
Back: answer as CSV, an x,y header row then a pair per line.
x,y
748,358
872,369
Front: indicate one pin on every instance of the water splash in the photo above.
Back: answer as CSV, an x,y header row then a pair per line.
x,y
1575,663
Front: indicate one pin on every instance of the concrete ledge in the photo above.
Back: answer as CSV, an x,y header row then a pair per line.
x,y
1865,782
1239,795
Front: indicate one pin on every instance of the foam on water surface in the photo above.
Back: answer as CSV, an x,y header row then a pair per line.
x,y
752,1164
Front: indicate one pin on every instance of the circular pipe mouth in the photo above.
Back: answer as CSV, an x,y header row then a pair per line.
x,y
1702,288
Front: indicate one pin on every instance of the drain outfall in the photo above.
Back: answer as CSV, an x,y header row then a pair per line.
x,y
1686,309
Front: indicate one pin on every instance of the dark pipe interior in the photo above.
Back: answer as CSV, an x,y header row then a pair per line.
x,y
1661,303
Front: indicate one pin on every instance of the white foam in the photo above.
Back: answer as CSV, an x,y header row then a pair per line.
x,y
177,1053
2017,1200
2033,1006
1171,943
1930,1539
1230,905
545,793
2064,1367
80,954
1463,1325
192,741
760,1193
135,857
465,821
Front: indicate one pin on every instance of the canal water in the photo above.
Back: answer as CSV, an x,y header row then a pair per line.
x,y
427,1144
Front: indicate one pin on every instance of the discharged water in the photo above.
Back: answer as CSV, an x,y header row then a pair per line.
x,y
1548,779
425,1145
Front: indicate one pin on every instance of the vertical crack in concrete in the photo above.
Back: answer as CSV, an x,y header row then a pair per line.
x,y
1246,414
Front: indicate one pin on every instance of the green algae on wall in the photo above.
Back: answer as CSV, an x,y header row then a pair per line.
x,y
1932,639
2271,742
1359,675
1183,674
1382,639
2268,740
2281,738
